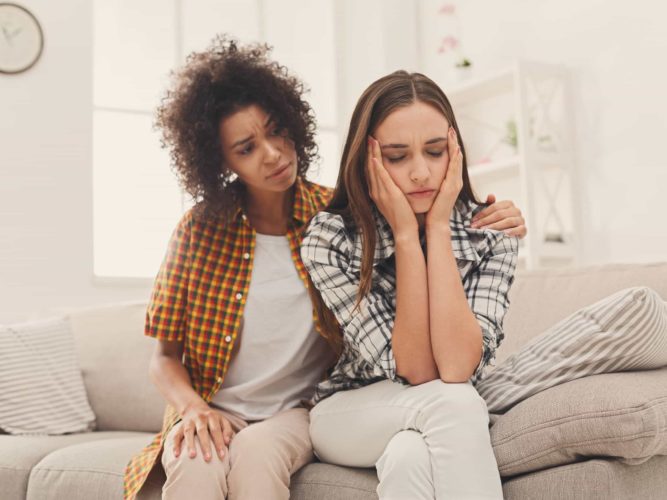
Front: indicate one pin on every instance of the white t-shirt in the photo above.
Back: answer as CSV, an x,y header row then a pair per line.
x,y
281,357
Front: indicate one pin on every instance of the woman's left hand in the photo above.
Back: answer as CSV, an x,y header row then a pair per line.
x,y
451,186
503,216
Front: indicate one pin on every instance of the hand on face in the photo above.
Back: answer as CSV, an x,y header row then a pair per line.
x,y
389,199
440,211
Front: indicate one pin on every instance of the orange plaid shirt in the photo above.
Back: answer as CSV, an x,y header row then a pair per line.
x,y
198,297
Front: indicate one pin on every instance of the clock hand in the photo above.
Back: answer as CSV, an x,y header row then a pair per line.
x,y
15,32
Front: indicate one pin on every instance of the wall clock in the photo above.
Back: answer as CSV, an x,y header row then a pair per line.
x,y
21,39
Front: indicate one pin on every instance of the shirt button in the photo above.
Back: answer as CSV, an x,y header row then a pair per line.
x,y
239,296
228,338
246,256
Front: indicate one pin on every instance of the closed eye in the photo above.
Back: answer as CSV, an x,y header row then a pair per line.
x,y
395,159
436,154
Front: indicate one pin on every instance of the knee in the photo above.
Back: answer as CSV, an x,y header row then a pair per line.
x,y
406,450
253,446
458,400
185,468
194,470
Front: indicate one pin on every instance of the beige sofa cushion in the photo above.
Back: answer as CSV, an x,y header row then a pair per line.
x,y
19,454
620,415
91,470
593,480
114,356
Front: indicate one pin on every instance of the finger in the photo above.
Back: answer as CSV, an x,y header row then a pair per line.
x,y
189,434
495,216
377,150
204,439
492,208
506,223
227,431
454,169
381,176
216,436
385,182
372,185
178,441
517,231
452,142
490,199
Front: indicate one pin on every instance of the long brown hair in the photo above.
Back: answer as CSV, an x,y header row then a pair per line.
x,y
351,198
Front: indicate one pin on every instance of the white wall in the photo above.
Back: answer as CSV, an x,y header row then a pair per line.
x,y
616,53
46,234
45,173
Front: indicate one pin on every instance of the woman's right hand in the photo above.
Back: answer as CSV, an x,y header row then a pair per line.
x,y
389,199
202,422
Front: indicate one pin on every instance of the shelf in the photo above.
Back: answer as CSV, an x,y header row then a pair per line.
x,y
499,167
479,88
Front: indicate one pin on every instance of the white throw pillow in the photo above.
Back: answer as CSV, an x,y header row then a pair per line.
x,y
41,388
624,331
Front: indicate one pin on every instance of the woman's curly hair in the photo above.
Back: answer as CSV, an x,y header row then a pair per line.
x,y
212,85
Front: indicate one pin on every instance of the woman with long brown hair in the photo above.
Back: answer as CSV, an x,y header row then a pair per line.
x,y
413,295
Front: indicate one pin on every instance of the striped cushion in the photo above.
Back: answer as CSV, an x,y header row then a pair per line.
x,y
41,388
625,331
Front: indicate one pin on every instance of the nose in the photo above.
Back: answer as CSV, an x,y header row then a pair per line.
x,y
419,173
271,152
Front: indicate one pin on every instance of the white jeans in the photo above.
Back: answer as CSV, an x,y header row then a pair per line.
x,y
427,441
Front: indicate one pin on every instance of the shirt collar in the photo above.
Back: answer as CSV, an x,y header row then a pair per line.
x,y
468,244
303,208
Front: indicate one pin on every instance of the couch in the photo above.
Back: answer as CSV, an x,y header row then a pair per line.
x,y
538,442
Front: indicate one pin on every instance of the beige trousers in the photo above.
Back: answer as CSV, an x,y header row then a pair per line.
x,y
261,458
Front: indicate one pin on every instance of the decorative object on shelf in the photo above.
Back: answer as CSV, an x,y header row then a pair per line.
x,y
463,69
21,39
458,66
511,135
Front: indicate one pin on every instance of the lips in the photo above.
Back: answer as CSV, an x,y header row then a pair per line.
x,y
422,192
279,171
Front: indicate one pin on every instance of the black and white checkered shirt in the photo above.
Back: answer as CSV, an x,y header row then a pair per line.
x,y
332,255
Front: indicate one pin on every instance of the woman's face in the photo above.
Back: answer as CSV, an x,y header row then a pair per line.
x,y
413,140
256,150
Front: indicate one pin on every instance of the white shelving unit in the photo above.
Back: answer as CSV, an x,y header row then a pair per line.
x,y
534,167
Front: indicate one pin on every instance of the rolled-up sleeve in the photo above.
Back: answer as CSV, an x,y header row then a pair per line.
x,y
326,253
165,315
487,287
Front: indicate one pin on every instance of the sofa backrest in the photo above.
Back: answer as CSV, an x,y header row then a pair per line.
x,y
539,299
113,355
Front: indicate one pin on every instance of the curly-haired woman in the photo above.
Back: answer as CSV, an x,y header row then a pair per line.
x,y
238,349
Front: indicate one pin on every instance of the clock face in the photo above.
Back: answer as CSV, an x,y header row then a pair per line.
x,y
21,40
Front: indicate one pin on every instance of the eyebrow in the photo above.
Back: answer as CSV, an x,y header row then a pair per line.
x,y
400,146
249,138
